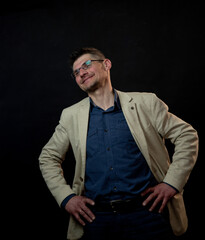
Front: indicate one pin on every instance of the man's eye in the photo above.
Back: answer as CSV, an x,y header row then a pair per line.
x,y
87,63
76,73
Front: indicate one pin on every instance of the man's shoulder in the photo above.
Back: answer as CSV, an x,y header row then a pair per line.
x,y
75,107
138,96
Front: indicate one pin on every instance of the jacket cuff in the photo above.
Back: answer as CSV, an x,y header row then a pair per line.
x,y
65,201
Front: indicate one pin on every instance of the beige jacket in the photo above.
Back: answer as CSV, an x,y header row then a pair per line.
x,y
150,123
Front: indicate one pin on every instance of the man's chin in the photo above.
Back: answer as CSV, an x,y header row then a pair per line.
x,y
92,88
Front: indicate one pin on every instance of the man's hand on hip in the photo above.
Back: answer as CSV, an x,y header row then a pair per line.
x,y
159,194
77,207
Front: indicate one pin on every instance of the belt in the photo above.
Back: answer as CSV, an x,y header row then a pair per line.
x,y
118,206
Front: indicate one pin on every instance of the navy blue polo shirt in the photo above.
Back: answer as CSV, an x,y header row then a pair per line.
x,y
115,166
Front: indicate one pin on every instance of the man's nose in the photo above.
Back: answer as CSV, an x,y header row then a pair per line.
x,y
83,72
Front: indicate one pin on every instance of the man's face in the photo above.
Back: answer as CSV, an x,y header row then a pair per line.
x,y
91,78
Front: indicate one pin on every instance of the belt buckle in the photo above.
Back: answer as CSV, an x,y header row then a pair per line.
x,y
114,204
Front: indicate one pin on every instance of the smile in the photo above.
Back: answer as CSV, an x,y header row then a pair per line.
x,y
86,78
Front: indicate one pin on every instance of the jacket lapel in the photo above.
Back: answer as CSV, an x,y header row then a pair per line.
x,y
129,108
83,117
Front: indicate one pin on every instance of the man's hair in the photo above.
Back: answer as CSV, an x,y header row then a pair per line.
x,y
85,50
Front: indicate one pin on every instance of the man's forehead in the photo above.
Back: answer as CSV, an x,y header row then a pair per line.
x,y
77,64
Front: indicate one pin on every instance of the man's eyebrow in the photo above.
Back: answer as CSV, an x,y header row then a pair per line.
x,y
81,66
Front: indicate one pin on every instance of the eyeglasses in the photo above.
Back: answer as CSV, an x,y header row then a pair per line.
x,y
84,66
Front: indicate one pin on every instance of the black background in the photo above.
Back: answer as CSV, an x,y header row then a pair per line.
x,y
155,46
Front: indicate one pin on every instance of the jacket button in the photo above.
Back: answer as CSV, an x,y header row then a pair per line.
x,y
132,108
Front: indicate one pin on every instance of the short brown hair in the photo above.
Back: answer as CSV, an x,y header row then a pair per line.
x,y
85,50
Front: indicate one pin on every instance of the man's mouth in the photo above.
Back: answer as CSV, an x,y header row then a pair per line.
x,y
86,78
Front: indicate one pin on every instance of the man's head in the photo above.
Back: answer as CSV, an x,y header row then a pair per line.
x,y
94,52
90,69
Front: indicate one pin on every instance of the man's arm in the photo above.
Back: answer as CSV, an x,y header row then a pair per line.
x,y
50,160
185,139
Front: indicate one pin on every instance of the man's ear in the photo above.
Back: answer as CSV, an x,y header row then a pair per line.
x,y
107,64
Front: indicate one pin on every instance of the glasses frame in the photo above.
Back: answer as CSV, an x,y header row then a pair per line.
x,y
84,66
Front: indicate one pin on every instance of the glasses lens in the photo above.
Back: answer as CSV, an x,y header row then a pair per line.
x,y
72,75
75,73
86,65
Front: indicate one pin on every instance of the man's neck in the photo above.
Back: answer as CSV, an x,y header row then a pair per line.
x,y
103,98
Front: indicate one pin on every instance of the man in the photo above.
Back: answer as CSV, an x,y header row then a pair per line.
x,y
124,181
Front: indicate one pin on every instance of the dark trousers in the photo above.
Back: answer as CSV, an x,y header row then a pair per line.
x,y
139,224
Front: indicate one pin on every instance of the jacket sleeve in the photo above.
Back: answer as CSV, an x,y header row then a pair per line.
x,y
185,140
50,160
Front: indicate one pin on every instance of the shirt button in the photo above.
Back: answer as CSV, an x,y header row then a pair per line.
x,y
105,130
111,168
108,149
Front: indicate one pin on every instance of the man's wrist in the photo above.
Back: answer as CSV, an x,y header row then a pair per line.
x,y
65,201
171,186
